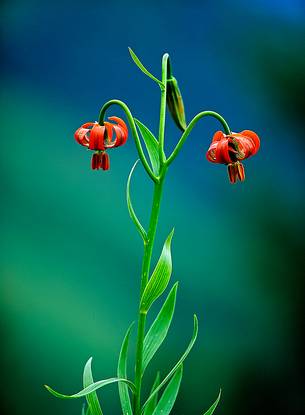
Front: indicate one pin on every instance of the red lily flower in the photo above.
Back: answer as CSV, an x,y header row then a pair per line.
x,y
100,138
231,149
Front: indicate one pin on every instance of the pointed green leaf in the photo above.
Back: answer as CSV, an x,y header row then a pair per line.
x,y
149,409
92,399
160,276
158,330
131,211
142,67
211,410
122,373
152,146
168,398
89,389
178,364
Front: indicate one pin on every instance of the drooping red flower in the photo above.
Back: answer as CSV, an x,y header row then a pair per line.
x,y
231,150
100,138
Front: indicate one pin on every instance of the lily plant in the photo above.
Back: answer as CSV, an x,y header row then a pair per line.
x,y
100,137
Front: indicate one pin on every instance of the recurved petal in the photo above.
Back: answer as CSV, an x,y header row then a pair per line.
x,y
222,152
81,136
219,135
247,146
88,124
119,135
254,137
96,137
121,123
210,154
109,127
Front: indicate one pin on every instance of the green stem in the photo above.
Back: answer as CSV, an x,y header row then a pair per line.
x,y
191,126
165,60
133,130
148,249
149,243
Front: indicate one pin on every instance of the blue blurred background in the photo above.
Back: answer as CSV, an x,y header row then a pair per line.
x,y
70,255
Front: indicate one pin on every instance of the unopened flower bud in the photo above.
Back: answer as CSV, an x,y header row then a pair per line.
x,y
175,103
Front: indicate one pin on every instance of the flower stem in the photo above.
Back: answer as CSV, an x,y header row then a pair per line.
x,y
133,130
149,242
148,249
191,126
165,60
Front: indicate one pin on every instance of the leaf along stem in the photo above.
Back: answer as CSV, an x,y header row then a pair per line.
x,y
91,388
131,211
177,365
142,67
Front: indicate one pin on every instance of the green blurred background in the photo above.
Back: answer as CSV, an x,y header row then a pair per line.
x,y
70,255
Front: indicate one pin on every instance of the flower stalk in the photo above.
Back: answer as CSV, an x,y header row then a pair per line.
x,y
133,130
163,108
148,249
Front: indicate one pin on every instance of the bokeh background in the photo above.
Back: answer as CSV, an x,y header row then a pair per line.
x,y
70,255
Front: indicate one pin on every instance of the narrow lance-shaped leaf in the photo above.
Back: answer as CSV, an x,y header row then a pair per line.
x,y
89,389
168,398
159,329
160,276
92,399
152,146
149,409
142,67
122,373
131,211
211,410
181,360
